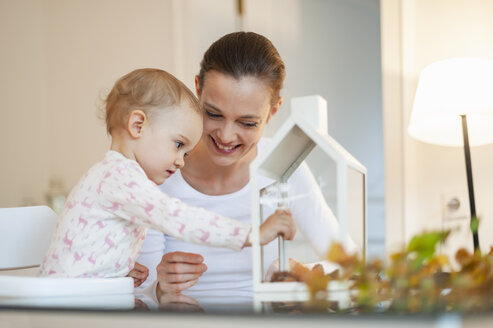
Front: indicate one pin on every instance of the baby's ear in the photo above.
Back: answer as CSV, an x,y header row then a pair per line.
x,y
136,121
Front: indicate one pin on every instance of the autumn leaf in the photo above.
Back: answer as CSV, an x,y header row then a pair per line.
x,y
415,280
338,254
423,246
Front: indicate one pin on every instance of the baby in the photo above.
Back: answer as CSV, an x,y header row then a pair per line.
x,y
154,121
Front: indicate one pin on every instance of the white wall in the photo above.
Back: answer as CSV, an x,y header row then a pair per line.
x,y
198,24
62,56
59,58
416,33
332,48
23,112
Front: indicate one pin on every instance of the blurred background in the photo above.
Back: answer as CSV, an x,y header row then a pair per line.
x,y
59,58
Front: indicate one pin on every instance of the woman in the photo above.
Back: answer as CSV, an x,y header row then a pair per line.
x,y
238,86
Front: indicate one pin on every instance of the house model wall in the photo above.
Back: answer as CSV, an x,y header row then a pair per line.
x,y
305,129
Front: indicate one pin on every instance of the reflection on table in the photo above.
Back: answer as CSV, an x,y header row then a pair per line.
x,y
241,304
210,301
99,302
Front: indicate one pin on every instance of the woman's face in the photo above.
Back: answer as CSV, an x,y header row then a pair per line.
x,y
235,114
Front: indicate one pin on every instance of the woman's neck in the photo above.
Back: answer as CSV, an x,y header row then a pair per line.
x,y
209,178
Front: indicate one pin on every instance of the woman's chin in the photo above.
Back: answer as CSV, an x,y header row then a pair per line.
x,y
222,160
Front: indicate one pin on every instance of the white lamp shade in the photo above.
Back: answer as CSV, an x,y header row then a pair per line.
x,y
448,89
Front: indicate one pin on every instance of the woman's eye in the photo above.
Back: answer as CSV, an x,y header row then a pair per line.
x,y
249,124
179,144
213,115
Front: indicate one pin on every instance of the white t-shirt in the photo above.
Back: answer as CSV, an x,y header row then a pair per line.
x,y
233,270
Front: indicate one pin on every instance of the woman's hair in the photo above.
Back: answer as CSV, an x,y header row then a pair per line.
x,y
146,89
241,54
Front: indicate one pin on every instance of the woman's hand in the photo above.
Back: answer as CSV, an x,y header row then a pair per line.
x,y
178,302
178,271
279,223
139,274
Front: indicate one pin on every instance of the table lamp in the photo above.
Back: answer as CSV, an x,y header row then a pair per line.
x,y
453,106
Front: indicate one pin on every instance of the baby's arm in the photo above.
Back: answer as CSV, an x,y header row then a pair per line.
x,y
128,194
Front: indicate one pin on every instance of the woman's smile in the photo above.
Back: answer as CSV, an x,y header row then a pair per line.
x,y
224,149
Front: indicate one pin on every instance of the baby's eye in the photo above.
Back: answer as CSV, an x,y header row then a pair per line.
x,y
179,144
211,114
186,154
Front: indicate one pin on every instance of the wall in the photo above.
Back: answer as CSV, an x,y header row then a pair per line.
x,y
59,59
72,51
196,27
416,33
23,112
332,48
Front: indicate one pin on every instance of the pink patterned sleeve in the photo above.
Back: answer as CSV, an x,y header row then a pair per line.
x,y
129,194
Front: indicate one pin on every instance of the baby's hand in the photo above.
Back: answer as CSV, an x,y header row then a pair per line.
x,y
279,223
139,274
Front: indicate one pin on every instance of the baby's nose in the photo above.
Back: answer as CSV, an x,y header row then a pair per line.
x,y
180,161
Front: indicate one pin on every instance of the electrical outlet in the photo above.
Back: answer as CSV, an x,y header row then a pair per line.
x,y
455,205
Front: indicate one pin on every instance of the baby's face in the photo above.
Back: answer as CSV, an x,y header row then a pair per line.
x,y
170,135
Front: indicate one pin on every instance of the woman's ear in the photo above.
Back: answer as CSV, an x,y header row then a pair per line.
x,y
274,109
136,122
197,85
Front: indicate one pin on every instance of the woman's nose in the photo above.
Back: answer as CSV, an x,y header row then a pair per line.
x,y
227,133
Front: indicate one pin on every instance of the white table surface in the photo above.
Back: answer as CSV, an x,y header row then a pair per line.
x,y
217,309
32,318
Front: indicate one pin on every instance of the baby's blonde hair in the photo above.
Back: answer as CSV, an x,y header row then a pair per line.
x,y
146,89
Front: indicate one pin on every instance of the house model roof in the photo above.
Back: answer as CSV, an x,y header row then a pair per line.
x,y
304,129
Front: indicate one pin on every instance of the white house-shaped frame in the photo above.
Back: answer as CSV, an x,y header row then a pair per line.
x,y
305,129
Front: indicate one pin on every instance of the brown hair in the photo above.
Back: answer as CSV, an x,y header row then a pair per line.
x,y
242,54
147,89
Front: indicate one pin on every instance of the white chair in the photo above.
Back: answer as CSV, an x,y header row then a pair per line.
x,y
26,234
